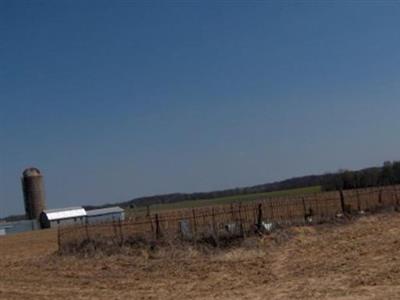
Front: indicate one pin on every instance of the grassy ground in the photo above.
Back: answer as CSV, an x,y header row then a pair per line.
x,y
225,200
357,260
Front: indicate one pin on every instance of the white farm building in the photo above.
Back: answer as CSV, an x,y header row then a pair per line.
x,y
78,215
63,216
109,214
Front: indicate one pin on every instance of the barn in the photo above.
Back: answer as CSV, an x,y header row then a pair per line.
x,y
3,229
103,215
64,216
18,226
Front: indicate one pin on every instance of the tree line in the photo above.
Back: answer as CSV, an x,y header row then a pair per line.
x,y
292,183
387,174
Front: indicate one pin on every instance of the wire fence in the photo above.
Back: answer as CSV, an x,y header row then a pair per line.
x,y
236,219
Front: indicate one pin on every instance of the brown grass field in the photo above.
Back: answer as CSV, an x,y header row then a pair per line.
x,y
355,260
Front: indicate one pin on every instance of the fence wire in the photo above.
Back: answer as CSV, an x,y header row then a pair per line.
x,y
234,219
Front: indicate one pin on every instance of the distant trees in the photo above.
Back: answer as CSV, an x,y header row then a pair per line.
x,y
388,174
292,183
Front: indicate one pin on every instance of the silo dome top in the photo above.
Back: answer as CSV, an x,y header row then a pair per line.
x,y
31,172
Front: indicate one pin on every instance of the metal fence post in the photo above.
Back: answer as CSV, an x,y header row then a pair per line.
x,y
59,238
115,231
87,231
213,221
241,220
121,232
396,196
272,210
342,204
304,209
194,224
259,216
158,229
148,211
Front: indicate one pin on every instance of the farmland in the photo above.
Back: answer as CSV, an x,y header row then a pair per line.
x,y
350,252
219,223
355,260
225,200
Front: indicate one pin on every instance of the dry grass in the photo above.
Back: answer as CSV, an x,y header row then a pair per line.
x,y
208,224
358,260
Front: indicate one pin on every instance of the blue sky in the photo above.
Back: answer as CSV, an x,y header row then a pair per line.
x,y
118,99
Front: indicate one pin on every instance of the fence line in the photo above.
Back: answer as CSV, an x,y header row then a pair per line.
x,y
240,219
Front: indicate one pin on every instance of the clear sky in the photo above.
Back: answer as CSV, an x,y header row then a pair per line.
x,y
118,99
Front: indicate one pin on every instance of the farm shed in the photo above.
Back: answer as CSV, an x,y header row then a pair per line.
x,y
105,215
3,229
18,226
63,216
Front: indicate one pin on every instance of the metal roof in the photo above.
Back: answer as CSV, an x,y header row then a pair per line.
x,y
65,213
104,211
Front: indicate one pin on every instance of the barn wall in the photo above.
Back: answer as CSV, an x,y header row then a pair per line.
x,y
20,226
106,218
70,221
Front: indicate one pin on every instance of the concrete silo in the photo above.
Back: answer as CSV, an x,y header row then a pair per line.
x,y
33,189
